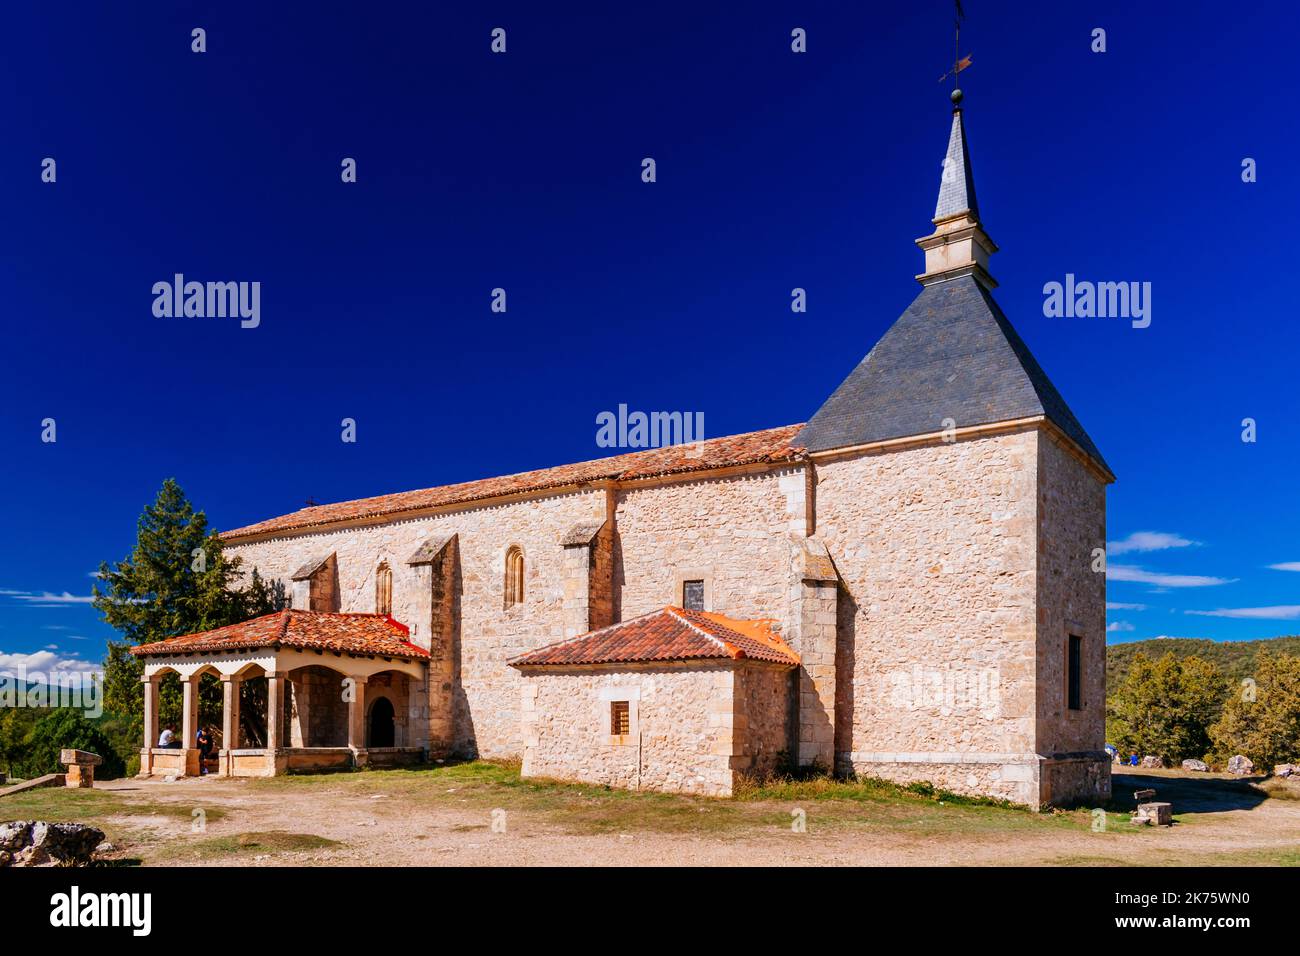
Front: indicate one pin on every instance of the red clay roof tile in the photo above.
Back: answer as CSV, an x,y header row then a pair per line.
x,y
770,445
670,634
363,634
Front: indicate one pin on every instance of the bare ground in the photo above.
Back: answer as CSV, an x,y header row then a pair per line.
x,y
445,817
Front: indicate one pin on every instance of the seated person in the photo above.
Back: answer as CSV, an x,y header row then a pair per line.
x,y
167,739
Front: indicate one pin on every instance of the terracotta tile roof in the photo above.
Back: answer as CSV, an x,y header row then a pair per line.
x,y
671,634
770,445
362,634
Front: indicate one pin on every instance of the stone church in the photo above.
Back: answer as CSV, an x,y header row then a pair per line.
x,y
900,587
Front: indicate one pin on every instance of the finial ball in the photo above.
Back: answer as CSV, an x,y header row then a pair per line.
x,y
956,97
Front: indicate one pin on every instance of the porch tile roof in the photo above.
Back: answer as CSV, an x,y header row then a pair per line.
x,y
371,635
670,634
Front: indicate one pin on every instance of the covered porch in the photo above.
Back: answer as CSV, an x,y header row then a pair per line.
x,y
298,691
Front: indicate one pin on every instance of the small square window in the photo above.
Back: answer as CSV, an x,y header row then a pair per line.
x,y
693,595
620,718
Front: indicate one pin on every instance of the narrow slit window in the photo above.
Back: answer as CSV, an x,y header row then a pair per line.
x,y
514,576
693,595
620,718
1074,673
383,589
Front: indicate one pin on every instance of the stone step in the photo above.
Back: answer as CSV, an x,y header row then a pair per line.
x,y
49,780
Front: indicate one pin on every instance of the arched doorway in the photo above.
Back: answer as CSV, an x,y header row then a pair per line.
x,y
381,724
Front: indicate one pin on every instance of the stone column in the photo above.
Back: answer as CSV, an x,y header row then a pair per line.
x,y
817,674
276,761
357,720
299,724
435,626
190,723
229,722
814,637
274,710
587,576
150,724
577,585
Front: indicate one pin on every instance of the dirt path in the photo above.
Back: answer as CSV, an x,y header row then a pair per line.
x,y
1219,823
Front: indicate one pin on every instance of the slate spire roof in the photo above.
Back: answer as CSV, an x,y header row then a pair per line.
x,y
952,355
956,186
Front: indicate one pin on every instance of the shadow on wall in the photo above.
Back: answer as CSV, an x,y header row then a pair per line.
x,y
616,577
846,617
465,739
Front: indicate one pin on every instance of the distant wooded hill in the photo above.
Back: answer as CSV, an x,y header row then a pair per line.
x,y
1236,659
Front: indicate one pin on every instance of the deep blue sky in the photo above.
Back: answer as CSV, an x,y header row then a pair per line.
x,y
775,170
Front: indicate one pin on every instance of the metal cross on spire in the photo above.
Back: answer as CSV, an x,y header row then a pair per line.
x,y
959,62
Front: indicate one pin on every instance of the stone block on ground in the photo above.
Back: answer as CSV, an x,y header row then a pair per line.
x,y
1198,765
81,767
48,780
1158,814
1287,770
1240,765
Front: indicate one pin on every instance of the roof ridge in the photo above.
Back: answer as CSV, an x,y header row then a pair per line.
x,y
733,650
722,451
610,628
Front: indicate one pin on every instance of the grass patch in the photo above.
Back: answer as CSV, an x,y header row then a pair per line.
x,y
1280,788
870,789
759,808
75,805
260,843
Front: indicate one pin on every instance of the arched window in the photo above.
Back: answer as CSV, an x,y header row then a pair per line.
x,y
383,589
514,576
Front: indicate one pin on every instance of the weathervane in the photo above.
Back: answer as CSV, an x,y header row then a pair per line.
x,y
959,62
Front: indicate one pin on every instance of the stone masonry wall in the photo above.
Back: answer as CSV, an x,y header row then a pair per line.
x,y
762,718
935,546
490,633
1071,601
733,532
681,738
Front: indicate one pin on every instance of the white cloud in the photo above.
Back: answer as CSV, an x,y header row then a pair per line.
x,y
1120,626
1170,637
44,662
1279,612
1131,572
1286,566
1148,541
1119,606
54,627
46,598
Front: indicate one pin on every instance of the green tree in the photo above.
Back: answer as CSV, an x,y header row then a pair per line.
x,y
66,727
1166,707
177,580
1262,720
15,724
